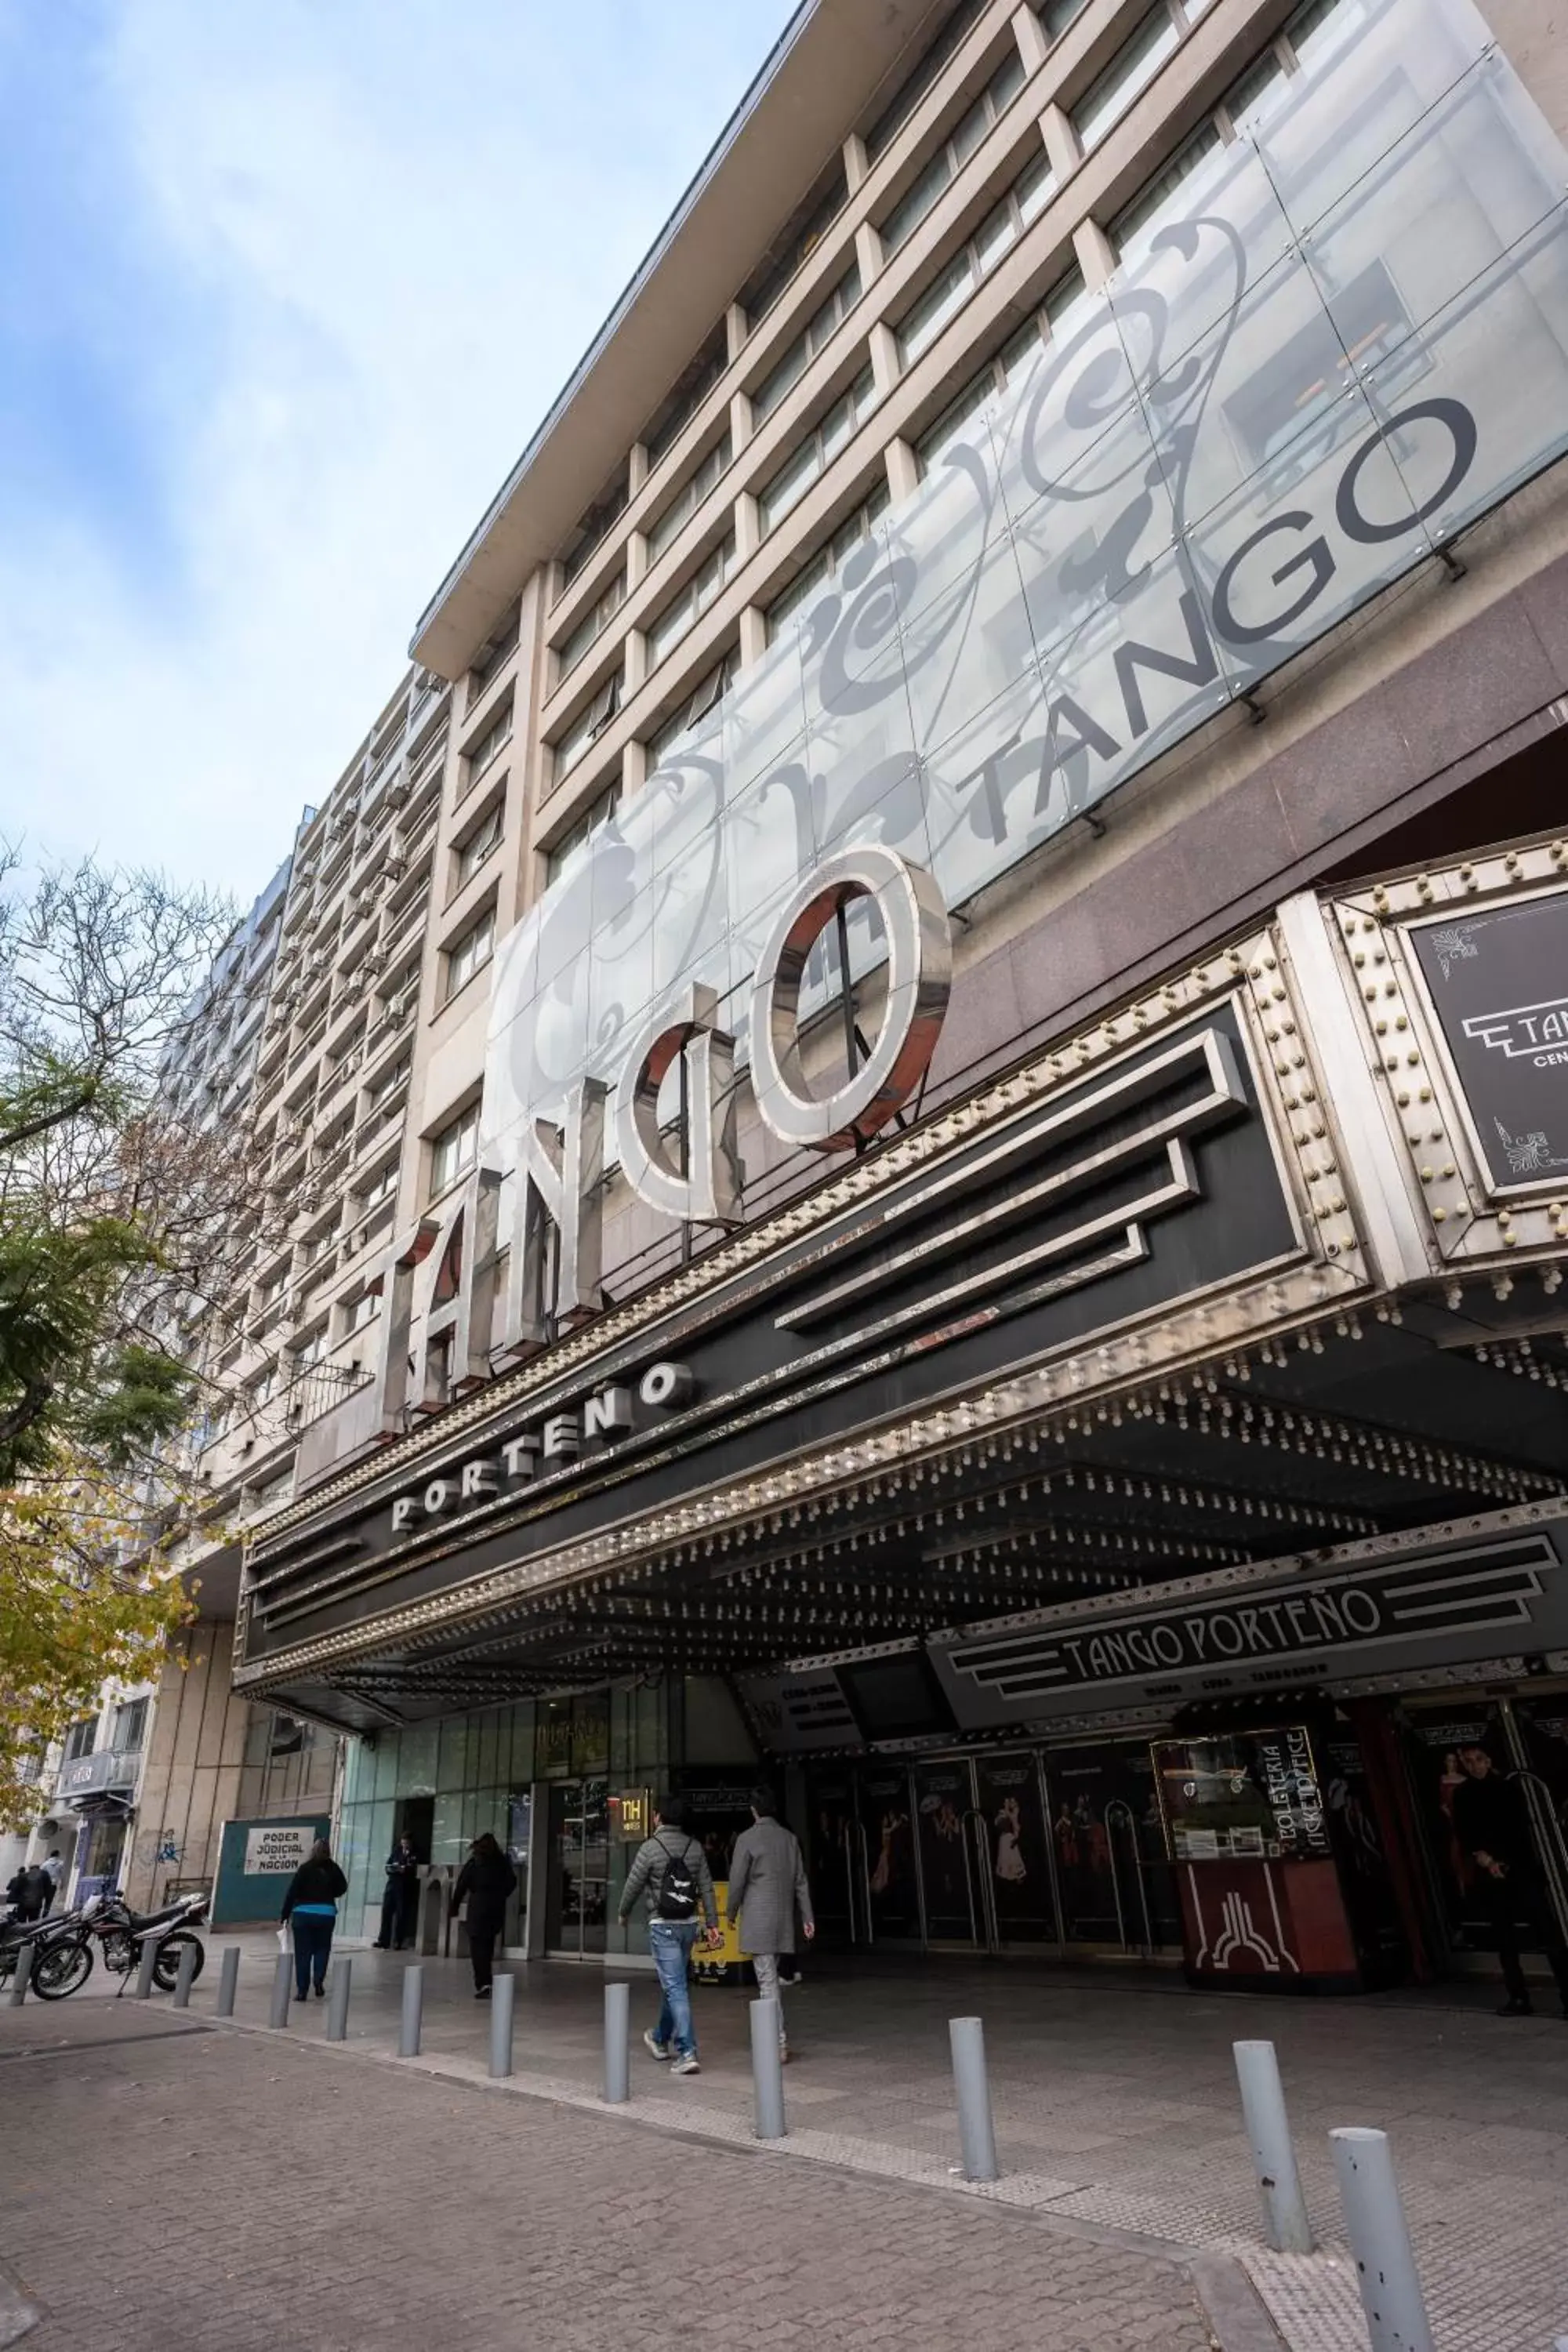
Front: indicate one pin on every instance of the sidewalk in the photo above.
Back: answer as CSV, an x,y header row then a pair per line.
x,y
1115,2103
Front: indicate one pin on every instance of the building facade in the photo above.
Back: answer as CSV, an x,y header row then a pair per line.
x,y
921,1069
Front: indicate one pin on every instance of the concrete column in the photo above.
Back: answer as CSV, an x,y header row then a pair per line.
x,y
636,663
903,471
1096,254
1029,34
636,558
753,635
748,526
634,772
855,164
1061,140
636,467
735,330
886,365
867,253
739,421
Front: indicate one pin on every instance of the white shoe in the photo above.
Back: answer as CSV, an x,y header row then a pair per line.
x,y
654,2046
688,2065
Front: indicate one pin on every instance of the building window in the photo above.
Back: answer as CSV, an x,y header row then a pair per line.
x,y
691,710
381,1187
1005,369
920,79
955,151
795,242
471,952
787,371
689,498
822,568
1001,228
388,1080
812,456
362,1311
593,526
684,611
588,726
79,1739
454,1150
1130,71
130,1727
1056,15
478,755
494,654
684,399
473,850
310,1350
592,625
596,814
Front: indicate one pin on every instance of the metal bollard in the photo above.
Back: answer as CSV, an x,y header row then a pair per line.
x,y
1285,2222
228,1982
338,2001
21,1977
282,1970
144,1971
186,1975
974,2126
412,1998
1374,2222
618,2037
503,1994
767,2072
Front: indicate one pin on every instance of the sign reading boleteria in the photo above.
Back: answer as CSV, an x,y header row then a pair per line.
x,y
1344,336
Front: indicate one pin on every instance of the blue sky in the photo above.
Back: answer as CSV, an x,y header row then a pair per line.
x,y
287,284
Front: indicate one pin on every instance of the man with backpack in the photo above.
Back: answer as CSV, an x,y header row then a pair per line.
x,y
671,1874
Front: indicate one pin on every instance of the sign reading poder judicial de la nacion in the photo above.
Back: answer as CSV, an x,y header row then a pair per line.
x,y
1344,337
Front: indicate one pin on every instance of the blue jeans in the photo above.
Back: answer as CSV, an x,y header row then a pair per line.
x,y
312,1942
671,1942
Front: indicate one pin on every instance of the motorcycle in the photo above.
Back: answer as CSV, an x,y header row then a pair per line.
x,y
120,1933
55,1951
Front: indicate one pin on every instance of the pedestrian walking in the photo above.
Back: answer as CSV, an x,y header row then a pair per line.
x,y
53,1870
311,1907
1492,1821
488,1879
670,1875
400,1903
29,1893
768,1882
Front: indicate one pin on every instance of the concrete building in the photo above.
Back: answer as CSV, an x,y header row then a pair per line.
x,y
1030,657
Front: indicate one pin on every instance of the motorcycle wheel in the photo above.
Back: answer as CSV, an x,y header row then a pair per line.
x,y
63,1969
166,1967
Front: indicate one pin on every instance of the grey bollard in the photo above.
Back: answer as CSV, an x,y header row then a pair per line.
x,y
504,1995
1374,2222
1285,2222
144,1971
21,1978
412,1998
975,2132
338,2001
186,1975
282,1971
228,1982
618,2087
767,2071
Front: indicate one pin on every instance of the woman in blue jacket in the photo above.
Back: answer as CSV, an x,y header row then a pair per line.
x,y
312,1903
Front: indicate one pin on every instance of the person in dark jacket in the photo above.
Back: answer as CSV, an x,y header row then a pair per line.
x,y
400,1904
488,1879
1491,1822
311,1904
31,1891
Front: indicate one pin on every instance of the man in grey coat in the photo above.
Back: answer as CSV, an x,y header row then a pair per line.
x,y
767,1881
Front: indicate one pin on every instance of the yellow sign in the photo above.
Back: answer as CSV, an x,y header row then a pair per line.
x,y
634,1813
709,1961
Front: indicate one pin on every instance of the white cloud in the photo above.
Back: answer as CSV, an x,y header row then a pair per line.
x,y
390,226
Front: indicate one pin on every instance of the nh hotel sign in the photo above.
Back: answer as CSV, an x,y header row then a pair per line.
x,y
1346,337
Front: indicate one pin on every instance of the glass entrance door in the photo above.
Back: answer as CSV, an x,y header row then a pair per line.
x,y
578,1868
1012,1846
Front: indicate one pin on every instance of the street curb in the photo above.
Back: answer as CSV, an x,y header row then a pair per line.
x,y
16,2314
1229,2303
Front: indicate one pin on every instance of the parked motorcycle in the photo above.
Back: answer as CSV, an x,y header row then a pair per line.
x,y
55,1951
120,1934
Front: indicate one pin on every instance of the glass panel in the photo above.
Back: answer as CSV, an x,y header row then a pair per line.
x,y
386,1764
1014,1821
416,1776
552,1745
1129,71
942,1800
888,1832
447,1843
454,1768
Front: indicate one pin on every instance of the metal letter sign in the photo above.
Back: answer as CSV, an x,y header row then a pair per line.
x,y
1340,339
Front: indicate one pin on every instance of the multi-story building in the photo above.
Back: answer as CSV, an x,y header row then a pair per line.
x,y
1031,657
